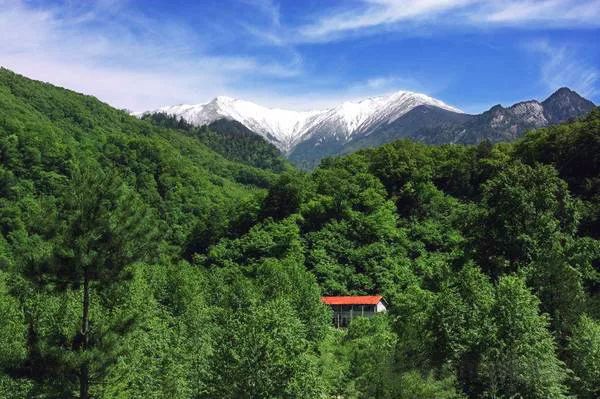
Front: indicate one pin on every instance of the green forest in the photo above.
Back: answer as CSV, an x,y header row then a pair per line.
x,y
145,258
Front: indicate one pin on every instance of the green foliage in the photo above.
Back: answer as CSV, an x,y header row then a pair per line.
x,y
371,345
573,150
522,360
462,325
165,352
164,260
526,210
263,352
584,348
366,366
12,329
413,385
13,342
558,280
229,138
286,196
102,226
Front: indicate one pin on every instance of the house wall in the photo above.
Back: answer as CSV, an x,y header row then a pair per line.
x,y
343,314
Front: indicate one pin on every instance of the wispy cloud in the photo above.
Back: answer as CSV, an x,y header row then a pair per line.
x,y
561,65
269,8
549,12
372,16
254,50
376,13
139,64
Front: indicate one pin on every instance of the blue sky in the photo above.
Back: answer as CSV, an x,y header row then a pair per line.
x,y
305,54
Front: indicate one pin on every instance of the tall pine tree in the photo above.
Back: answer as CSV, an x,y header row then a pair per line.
x,y
103,227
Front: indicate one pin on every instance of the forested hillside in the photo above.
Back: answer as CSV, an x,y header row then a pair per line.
x,y
136,262
229,138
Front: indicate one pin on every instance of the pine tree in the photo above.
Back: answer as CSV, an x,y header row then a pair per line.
x,y
105,227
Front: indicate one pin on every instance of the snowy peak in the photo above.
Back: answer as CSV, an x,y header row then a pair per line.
x,y
280,127
286,129
307,137
365,115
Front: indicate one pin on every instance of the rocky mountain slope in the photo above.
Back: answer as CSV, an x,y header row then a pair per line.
x,y
286,129
433,125
307,137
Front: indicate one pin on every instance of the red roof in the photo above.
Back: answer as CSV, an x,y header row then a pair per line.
x,y
352,300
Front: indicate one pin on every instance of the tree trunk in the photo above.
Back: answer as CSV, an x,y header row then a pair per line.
x,y
85,326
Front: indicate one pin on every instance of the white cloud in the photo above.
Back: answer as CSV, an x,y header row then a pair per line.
x,y
268,8
561,66
136,65
549,12
376,13
130,61
372,16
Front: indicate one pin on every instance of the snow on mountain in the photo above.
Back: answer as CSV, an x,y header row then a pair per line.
x,y
351,118
280,127
285,128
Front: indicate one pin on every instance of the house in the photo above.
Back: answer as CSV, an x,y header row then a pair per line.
x,y
345,308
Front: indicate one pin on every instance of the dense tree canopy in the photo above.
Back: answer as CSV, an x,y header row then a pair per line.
x,y
151,259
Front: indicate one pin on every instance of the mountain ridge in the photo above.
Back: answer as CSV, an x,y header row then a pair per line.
x,y
286,129
432,125
305,137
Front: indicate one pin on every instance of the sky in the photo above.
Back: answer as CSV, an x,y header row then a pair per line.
x,y
305,54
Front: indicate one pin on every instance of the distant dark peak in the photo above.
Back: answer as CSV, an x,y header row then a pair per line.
x,y
497,107
564,94
565,104
563,91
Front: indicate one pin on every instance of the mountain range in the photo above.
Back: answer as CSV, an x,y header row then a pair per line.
x,y
305,137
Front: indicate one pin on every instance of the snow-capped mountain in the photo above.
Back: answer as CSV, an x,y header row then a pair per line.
x,y
436,126
307,137
286,129
279,126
